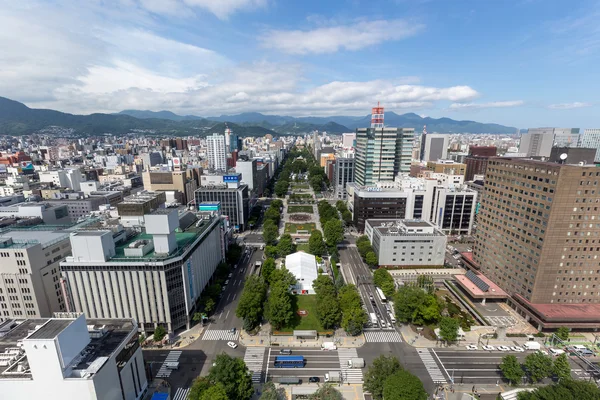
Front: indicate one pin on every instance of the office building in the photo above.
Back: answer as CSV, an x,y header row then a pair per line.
x,y
483,151
154,275
538,142
249,171
572,155
183,182
449,167
450,206
566,137
133,208
348,140
72,358
591,139
233,196
216,152
67,178
434,146
537,239
406,243
30,284
343,174
52,214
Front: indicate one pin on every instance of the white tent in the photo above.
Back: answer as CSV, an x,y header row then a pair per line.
x,y
304,268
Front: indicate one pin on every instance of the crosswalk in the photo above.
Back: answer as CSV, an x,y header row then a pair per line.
x,y
350,375
173,356
382,336
220,334
254,359
182,394
432,368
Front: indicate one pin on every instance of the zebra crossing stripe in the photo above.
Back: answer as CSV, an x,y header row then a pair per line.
x,y
431,366
349,375
254,358
173,356
181,394
220,334
382,337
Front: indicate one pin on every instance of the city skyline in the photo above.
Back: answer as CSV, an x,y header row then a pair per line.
x,y
506,63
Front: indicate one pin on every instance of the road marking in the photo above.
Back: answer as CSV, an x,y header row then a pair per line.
x,y
440,361
268,360
431,366
181,394
220,334
382,337
228,296
173,356
349,375
254,358
227,314
234,296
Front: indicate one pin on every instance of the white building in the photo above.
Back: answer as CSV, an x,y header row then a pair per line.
x,y
249,171
304,268
216,152
406,242
591,140
30,284
71,358
154,276
434,146
348,140
69,178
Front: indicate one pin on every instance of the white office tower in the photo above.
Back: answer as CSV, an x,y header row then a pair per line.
x,y
227,137
348,140
71,358
591,140
217,157
434,146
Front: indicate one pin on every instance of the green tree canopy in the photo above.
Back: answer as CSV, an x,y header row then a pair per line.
x,y
511,369
429,312
383,279
538,366
326,392
353,320
341,205
209,305
250,306
283,275
334,232
328,311
371,259
449,329
232,373
267,269
316,182
279,308
271,251
270,232
408,300
215,392
349,297
277,204
347,217
323,285
281,187
200,385
364,248
272,214
285,246
565,390
425,282
562,333
403,385
159,333
270,392
316,246
561,367
375,377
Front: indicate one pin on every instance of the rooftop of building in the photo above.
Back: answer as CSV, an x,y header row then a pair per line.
x,y
400,227
540,163
106,336
24,237
481,287
141,197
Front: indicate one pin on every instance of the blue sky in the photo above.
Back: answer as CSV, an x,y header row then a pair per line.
x,y
523,63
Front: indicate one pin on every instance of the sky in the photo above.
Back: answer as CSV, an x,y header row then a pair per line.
x,y
523,63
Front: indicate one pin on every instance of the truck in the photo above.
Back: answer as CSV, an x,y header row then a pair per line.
x,y
333,376
356,363
289,380
328,346
373,318
532,346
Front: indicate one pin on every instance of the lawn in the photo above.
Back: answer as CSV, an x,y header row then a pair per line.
x,y
293,228
303,247
300,186
300,209
308,322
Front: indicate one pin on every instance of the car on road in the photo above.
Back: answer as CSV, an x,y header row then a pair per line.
x,y
314,379
232,345
556,352
488,347
503,348
371,298
471,347
285,351
232,330
517,349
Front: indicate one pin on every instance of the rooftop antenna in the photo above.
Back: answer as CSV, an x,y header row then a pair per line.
x,y
563,157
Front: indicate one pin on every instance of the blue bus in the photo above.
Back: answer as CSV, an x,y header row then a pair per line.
x,y
289,362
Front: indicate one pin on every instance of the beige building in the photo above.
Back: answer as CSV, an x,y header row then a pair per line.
x,y
449,167
538,238
183,183
30,284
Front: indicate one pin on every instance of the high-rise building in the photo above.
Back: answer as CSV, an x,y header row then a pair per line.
x,y
537,142
449,167
538,238
216,154
566,137
233,196
249,171
591,139
434,146
348,139
343,174
477,160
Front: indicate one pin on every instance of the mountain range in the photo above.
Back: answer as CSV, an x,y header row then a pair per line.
x,y
17,119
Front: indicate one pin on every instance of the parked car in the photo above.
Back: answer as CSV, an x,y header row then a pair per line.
x,y
503,348
471,347
232,345
488,347
517,349
314,379
544,352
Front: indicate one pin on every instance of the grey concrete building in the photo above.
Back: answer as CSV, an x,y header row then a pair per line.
x,y
234,199
343,174
434,146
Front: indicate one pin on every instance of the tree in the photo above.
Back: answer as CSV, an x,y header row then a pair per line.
x,y
271,251
270,392
364,248
383,279
283,275
209,305
234,253
403,385
353,320
279,308
449,329
326,392
233,374
213,290
429,312
285,246
250,306
375,377
328,311
272,214
277,204
267,269
215,392
407,300
565,390
341,205
333,232
562,333
197,317
316,182
349,297
347,217
538,366
425,282
200,385
281,188
159,333
323,286
316,246
511,369
270,232
371,259
561,367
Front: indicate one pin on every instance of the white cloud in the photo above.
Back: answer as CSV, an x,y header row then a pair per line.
x,y
331,39
569,106
493,104
224,8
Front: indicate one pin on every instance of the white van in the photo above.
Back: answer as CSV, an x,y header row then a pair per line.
x,y
556,352
392,317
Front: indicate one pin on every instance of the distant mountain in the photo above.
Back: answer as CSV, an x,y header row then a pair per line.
x,y
145,114
240,130
253,117
300,127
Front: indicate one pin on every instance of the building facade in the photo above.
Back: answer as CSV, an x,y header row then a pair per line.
x,y
591,139
343,174
406,243
235,202
537,142
382,153
434,146
449,167
216,152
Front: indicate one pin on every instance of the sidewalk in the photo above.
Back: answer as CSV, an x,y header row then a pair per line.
x,y
266,340
465,392
184,338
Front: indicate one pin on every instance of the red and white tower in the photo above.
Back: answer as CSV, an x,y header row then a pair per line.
x,y
377,117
